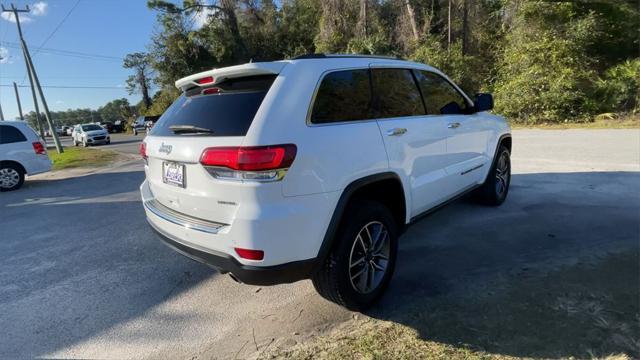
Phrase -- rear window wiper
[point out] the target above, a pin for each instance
(189, 129)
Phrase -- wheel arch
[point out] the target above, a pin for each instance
(369, 186)
(504, 139)
(6, 162)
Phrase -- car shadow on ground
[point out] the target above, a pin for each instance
(77, 258)
(507, 280)
(554, 272)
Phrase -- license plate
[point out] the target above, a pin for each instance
(173, 173)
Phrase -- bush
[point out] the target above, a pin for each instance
(544, 73)
(619, 88)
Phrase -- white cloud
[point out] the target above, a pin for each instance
(9, 17)
(39, 8)
(4, 56)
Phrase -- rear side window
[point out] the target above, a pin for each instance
(343, 96)
(440, 97)
(10, 134)
(224, 109)
(396, 93)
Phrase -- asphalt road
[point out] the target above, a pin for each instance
(81, 274)
(119, 142)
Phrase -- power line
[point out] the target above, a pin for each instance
(52, 33)
(68, 77)
(69, 87)
(57, 28)
(69, 53)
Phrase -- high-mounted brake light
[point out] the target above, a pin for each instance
(143, 151)
(250, 254)
(205, 80)
(210, 91)
(258, 163)
(39, 148)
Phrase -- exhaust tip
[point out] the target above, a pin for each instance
(235, 278)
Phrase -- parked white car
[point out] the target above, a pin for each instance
(90, 134)
(22, 153)
(313, 167)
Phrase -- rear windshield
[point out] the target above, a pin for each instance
(225, 109)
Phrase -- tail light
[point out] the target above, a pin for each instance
(143, 151)
(250, 254)
(39, 148)
(259, 163)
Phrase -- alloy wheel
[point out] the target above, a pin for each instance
(9, 178)
(502, 174)
(369, 257)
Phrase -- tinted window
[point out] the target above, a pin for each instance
(9, 134)
(396, 93)
(227, 110)
(343, 96)
(440, 96)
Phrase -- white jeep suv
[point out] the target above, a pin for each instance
(312, 167)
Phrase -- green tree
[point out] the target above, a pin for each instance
(544, 72)
(140, 81)
(118, 109)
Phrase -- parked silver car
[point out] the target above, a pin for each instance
(90, 134)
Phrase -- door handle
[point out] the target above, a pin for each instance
(453, 125)
(396, 131)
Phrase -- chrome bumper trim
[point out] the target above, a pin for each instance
(181, 219)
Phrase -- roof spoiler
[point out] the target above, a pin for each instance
(210, 77)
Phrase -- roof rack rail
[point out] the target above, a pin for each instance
(333, 56)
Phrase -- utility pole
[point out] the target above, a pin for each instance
(32, 72)
(15, 88)
(1, 114)
(35, 100)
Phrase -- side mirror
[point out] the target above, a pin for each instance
(483, 102)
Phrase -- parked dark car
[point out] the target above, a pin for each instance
(144, 123)
(108, 125)
(118, 126)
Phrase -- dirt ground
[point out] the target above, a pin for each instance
(587, 310)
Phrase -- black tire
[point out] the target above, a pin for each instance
(495, 189)
(9, 173)
(333, 280)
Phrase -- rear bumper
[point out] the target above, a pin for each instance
(284, 231)
(40, 164)
(253, 275)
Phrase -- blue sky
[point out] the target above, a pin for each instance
(111, 28)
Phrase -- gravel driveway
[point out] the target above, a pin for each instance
(81, 274)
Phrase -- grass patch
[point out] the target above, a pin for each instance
(75, 157)
(585, 311)
(377, 339)
(603, 121)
